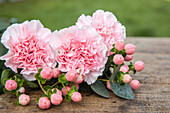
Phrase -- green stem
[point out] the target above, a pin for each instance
(42, 87)
(64, 87)
(55, 84)
(103, 79)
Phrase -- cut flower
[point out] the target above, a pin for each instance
(29, 49)
(106, 24)
(80, 49)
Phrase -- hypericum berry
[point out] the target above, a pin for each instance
(56, 99)
(46, 73)
(71, 75)
(79, 79)
(128, 57)
(10, 85)
(56, 72)
(134, 84)
(24, 99)
(58, 91)
(127, 78)
(124, 68)
(130, 49)
(76, 97)
(64, 91)
(118, 59)
(139, 65)
(119, 45)
(108, 85)
(21, 90)
(44, 103)
(77, 86)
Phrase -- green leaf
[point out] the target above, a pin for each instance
(7, 73)
(37, 99)
(68, 97)
(74, 89)
(17, 103)
(5, 91)
(30, 84)
(121, 91)
(38, 77)
(100, 89)
(62, 78)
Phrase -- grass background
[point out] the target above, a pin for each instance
(141, 17)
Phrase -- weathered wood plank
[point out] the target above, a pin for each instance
(153, 96)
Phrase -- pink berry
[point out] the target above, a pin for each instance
(44, 103)
(108, 85)
(127, 78)
(130, 49)
(46, 73)
(10, 85)
(124, 68)
(118, 59)
(21, 90)
(24, 99)
(134, 84)
(64, 91)
(79, 79)
(76, 97)
(139, 65)
(128, 57)
(56, 72)
(71, 75)
(56, 99)
(119, 45)
(58, 91)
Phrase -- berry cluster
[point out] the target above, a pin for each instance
(121, 53)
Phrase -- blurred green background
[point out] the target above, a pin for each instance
(141, 17)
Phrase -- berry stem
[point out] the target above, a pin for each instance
(103, 79)
(64, 87)
(42, 87)
(55, 84)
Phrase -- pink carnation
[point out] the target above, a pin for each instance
(29, 49)
(106, 25)
(80, 49)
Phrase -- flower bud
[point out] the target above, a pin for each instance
(10, 85)
(79, 79)
(21, 90)
(139, 65)
(118, 59)
(127, 78)
(128, 57)
(134, 84)
(58, 91)
(76, 97)
(56, 99)
(56, 72)
(119, 45)
(124, 68)
(108, 85)
(130, 49)
(44, 103)
(64, 91)
(24, 99)
(71, 75)
(46, 73)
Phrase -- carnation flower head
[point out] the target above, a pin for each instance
(29, 48)
(106, 24)
(80, 49)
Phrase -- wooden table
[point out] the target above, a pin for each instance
(153, 96)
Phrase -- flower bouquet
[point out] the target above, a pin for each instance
(88, 55)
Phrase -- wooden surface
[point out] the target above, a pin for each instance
(153, 96)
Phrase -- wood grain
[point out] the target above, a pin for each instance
(153, 96)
